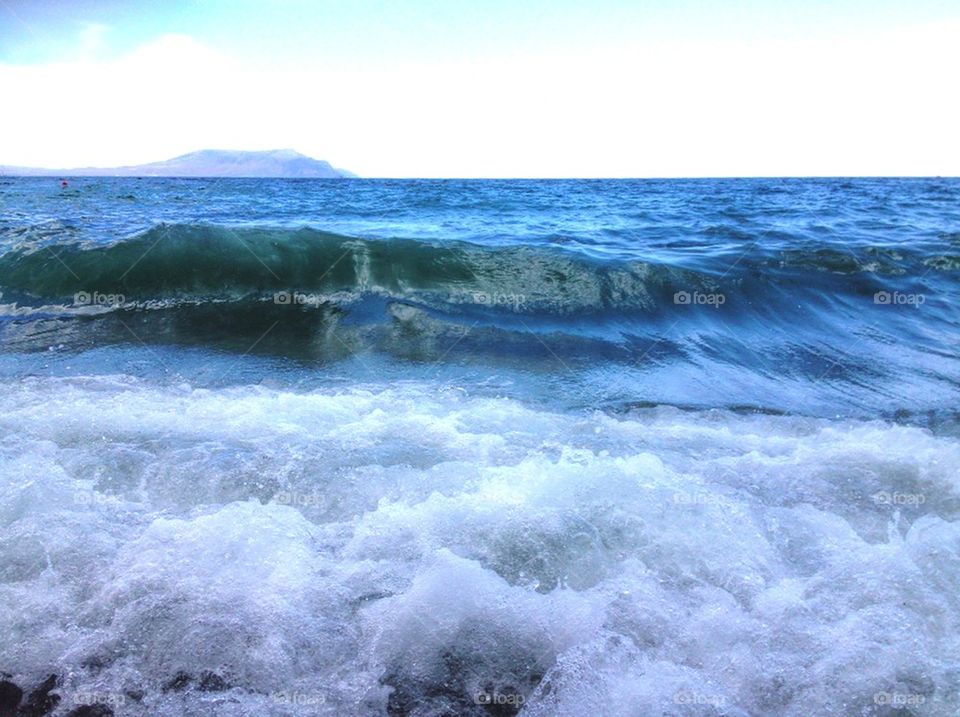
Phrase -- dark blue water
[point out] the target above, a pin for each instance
(431, 448)
(822, 297)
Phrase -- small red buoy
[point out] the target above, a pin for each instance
(63, 183)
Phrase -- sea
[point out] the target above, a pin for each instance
(476, 447)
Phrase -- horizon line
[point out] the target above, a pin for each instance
(43, 173)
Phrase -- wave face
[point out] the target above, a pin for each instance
(855, 329)
(202, 262)
(189, 263)
(283, 447)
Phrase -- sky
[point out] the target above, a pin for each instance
(490, 88)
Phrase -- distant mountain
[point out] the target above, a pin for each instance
(206, 163)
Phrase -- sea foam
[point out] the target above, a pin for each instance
(412, 550)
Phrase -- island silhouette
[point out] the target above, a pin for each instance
(206, 163)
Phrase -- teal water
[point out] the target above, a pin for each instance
(823, 297)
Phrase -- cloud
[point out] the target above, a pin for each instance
(856, 104)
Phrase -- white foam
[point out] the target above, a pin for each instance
(423, 549)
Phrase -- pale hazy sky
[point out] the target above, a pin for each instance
(493, 89)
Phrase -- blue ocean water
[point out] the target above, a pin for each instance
(823, 297)
(429, 447)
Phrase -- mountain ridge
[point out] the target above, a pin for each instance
(270, 163)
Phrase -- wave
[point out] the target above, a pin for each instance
(175, 263)
(812, 330)
(199, 262)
